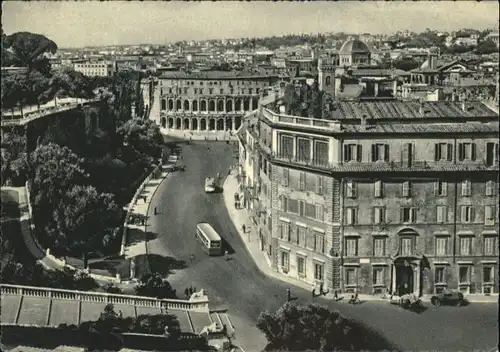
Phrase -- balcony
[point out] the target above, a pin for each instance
(309, 123)
(309, 163)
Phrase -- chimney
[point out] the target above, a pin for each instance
(363, 122)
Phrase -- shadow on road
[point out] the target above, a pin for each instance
(227, 247)
(135, 236)
(165, 265)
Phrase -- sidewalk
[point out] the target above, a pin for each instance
(240, 217)
(199, 135)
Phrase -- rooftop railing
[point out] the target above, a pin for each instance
(196, 304)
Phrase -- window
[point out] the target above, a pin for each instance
(380, 152)
(201, 90)
(302, 206)
(408, 215)
(440, 188)
(210, 90)
(443, 151)
(488, 275)
(319, 242)
(489, 215)
(464, 274)
(318, 271)
(310, 241)
(285, 231)
(379, 246)
(489, 245)
(407, 155)
(492, 154)
(303, 150)
(285, 260)
(467, 152)
(466, 188)
(407, 245)
(351, 189)
(320, 156)
(352, 152)
(441, 214)
(350, 277)
(351, 247)
(351, 216)
(301, 266)
(302, 181)
(221, 91)
(284, 203)
(319, 185)
(301, 235)
(378, 276)
(490, 188)
(467, 214)
(286, 177)
(406, 189)
(441, 245)
(465, 245)
(293, 206)
(310, 211)
(250, 90)
(320, 214)
(379, 215)
(286, 147)
(378, 189)
(439, 275)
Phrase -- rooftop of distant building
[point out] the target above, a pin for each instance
(221, 75)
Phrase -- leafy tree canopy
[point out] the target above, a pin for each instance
(153, 285)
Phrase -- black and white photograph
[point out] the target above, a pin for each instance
(249, 176)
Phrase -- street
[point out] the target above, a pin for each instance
(240, 287)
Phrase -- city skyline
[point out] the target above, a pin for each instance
(79, 24)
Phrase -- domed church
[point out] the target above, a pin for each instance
(354, 53)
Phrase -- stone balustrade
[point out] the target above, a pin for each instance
(198, 304)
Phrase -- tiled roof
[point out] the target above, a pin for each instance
(395, 109)
(387, 167)
(424, 128)
(378, 72)
(217, 74)
(350, 91)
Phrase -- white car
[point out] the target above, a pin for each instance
(173, 158)
(209, 185)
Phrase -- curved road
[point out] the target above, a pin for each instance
(239, 286)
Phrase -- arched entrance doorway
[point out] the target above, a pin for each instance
(178, 123)
(203, 124)
(195, 124)
(220, 125)
(211, 125)
(186, 124)
(170, 122)
(163, 122)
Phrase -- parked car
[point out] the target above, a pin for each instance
(410, 301)
(448, 297)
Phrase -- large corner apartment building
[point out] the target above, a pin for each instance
(391, 194)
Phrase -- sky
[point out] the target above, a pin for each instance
(92, 23)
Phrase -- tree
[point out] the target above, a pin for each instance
(14, 156)
(406, 64)
(153, 285)
(290, 98)
(486, 47)
(315, 328)
(83, 218)
(143, 135)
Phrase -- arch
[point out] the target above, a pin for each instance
(220, 105)
(246, 104)
(170, 122)
(229, 123)
(237, 105)
(195, 105)
(178, 123)
(186, 105)
(163, 122)
(328, 81)
(407, 231)
(211, 105)
(163, 104)
(170, 104)
(237, 122)
(255, 103)
(203, 124)
(211, 125)
(186, 124)
(194, 124)
(203, 105)
(178, 105)
(229, 105)
(220, 125)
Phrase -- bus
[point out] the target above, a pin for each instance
(209, 238)
(209, 185)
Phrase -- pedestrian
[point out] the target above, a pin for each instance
(244, 228)
(186, 292)
(155, 211)
(335, 295)
(226, 255)
(313, 290)
(235, 205)
(321, 289)
(288, 295)
(191, 290)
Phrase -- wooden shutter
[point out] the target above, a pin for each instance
(319, 185)
(437, 152)
(489, 188)
(461, 151)
(386, 152)
(413, 215)
(473, 151)
(374, 152)
(319, 212)
(472, 214)
(488, 214)
(359, 153)
(439, 214)
(436, 188)
(280, 230)
(346, 153)
(463, 213)
(348, 213)
(376, 215)
(301, 207)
